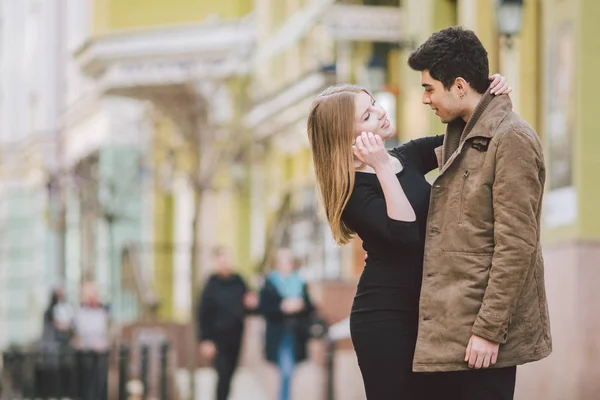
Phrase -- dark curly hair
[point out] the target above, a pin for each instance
(451, 53)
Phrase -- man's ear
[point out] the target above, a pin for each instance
(461, 86)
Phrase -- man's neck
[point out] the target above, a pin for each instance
(470, 105)
(225, 274)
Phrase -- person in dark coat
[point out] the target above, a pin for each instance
(287, 309)
(223, 305)
(53, 370)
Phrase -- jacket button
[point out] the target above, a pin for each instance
(430, 274)
(434, 229)
(427, 318)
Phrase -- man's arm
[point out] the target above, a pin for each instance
(517, 193)
(205, 315)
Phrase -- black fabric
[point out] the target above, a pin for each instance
(481, 384)
(221, 310)
(278, 323)
(226, 360)
(384, 342)
(384, 316)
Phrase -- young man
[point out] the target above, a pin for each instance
(483, 308)
(221, 313)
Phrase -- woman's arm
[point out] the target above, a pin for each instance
(366, 215)
(369, 149)
(420, 152)
(269, 304)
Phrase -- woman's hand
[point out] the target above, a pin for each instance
(369, 149)
(499, 85)
(292, 305)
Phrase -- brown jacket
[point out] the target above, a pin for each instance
(483, 270)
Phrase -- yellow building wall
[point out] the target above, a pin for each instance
(163, 220)
(557, 14)
(531, 54)
(112, 15)
(588, 87)
(487, 32)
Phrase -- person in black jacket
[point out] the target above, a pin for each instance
(223, 306)
(287, 309)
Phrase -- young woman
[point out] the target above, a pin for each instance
(384, 198)
(286, 306)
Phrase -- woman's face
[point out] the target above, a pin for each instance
(284, 261)
(371, 117)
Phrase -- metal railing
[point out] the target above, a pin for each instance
(336, 332)
(85, 375)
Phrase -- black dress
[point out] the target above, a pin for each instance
(384, 317)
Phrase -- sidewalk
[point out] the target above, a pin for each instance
(245, 386)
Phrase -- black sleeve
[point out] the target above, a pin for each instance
(49, 315)
(269, 304)
(309, 307)
(366, 214)
(421, 152)
(242, 283)
(206, 315)
(244, 288)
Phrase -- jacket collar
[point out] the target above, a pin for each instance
(488, 114)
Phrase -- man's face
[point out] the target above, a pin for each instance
(223, 263)
(447, 104)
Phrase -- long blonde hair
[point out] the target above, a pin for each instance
(331, 132)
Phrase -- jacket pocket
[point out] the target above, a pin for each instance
(465, 176)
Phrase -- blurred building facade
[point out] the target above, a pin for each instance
(30, 106)
(180, 69)
(137, 136)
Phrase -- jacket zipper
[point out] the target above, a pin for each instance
(462, 195)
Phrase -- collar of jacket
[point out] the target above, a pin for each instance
(488, 114)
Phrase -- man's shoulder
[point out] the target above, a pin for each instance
(514, 129)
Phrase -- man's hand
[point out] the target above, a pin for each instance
(481, 353)
(250, 301)
(208, 350)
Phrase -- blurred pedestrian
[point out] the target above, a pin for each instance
(54, 364)
(58, 319)
(223, 306)
(92, 341)
(287, 309)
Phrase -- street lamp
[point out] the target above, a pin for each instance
(509, 17)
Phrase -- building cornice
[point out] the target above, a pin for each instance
(280, 105)
(168, 56)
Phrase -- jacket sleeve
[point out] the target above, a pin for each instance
(366, 214)
(205, 315)
(517, 192)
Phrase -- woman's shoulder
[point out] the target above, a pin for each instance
(404, 152)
